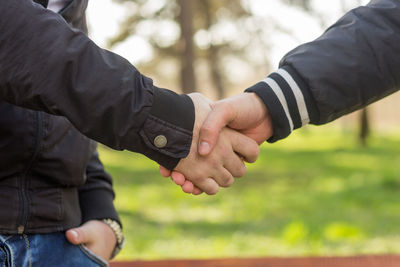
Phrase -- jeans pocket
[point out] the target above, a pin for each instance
(97, 259)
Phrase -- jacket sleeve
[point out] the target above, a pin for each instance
(96, 196)
(46, 65)
(354, 63)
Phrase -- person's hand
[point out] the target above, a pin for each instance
(97, 236)
(245, 113)
(179, 179)
(218, 168)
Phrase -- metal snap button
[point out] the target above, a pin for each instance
(160, 141)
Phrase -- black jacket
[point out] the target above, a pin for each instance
(354, 63)
(50, 176)
(56, 84)
(49, 66)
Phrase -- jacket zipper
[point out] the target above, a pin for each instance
(24, 180)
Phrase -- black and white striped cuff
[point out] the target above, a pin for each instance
(288, 100)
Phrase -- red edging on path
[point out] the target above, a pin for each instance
(356, 261)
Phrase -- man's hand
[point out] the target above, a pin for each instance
(245, 113)
(179, 179)
(97, 236)
(218, 168)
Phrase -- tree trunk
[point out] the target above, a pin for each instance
(188, 80)
(364, 127)
(213, 55)
(216, 72)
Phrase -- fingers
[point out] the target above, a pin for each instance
(165, 172)
(208, 185)
(244, 146)
(197, 191)
(72, 236)
(96, 236)
(220, 116)
(188, 187)
(235, 166)
(223, 177)
(224, 180)
(178, 178)
(79, 235)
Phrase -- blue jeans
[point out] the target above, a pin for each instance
(42, 250)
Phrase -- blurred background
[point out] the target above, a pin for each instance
(330, 190)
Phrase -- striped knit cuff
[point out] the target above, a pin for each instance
(288, 101)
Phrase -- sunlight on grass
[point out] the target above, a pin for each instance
(295, 232)
(126, 160)
(338, 231)
(316, 193)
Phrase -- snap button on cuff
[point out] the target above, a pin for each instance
(160, 141)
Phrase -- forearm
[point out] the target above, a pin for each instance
(354, 63)
(48, 66)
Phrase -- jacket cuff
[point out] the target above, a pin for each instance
(288, 101)
(168, 128)
(97, 204)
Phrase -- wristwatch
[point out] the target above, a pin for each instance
(116, 228)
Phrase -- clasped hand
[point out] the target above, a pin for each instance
(226, 134)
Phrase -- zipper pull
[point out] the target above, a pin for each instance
(20, 229)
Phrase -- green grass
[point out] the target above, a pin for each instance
(316, 193)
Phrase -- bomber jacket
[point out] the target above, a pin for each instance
(354, 63)
(56, 86)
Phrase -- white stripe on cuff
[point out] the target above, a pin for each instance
(278, 92)
(301, 103)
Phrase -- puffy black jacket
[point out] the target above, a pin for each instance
(354, 63)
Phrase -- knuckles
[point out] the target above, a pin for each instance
(254, 152)
(228, 182)
(241, 172)
(208, 130)
(212, 191)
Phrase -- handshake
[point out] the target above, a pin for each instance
(226, 134)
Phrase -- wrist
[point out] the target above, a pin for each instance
(119, 239)
(259, 106)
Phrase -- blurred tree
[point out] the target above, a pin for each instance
(305, 4)
(214, 50)
(187, 57)
(364, 127)
(149, 19)
(202, 20)
(212, 14)
(364, 121)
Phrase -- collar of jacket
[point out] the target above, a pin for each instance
(74, 13)
(44, 3)
(74, 9)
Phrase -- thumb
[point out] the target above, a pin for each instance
(219, 117)
(79, 235)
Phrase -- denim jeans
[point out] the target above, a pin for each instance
(42, 250)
